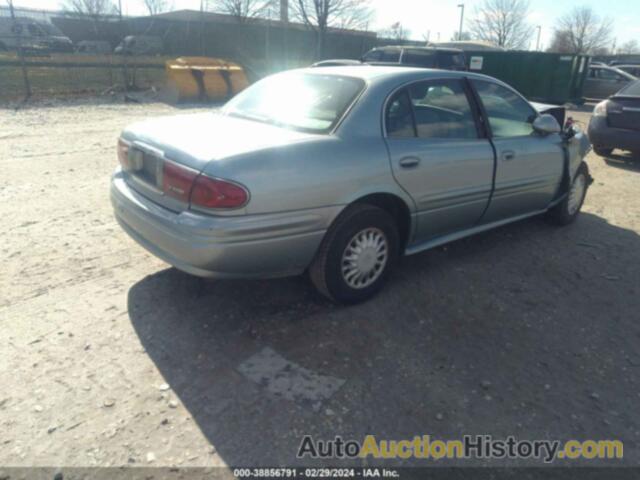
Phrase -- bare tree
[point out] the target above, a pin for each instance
(242, 9)
(93, 9)
(503, 23)
(585, 31)
(560, 42)
(396, 31)
(158, 6)
(629, 47)
(320, 15)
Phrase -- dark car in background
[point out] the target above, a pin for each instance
(425, 57)
(616, 122)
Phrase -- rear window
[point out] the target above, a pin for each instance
(387, 55)
(633, 89)
(423, 58)
(305, 102)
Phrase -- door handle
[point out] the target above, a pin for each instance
(409, 162)
(508, 155)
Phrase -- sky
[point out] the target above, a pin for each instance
(440, 18)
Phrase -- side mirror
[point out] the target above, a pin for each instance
(546, 124)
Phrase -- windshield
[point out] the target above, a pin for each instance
(633, 89)
(308, 102)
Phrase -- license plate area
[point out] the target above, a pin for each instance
(146, 165)
(624, 114)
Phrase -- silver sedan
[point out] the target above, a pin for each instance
(339, 171)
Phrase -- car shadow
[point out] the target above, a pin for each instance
(625, 161)
(586, 107)
(527, 330)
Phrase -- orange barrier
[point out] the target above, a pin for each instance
(205, 79)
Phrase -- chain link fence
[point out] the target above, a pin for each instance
(67, 54)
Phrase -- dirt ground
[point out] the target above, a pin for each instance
(110, 357)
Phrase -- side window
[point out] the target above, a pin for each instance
(450, 60)
(390, 55)
(372, 56)
(509, 115)
(442, 110)
(399, 117)
(609, 75)
(423, 58)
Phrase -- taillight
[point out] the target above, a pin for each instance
(601, 109)
(123, 153)
(177, 181)
(188, 185)
(215, 193)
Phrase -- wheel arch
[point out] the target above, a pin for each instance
(395, 206)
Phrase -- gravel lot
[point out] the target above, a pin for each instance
(110, 357)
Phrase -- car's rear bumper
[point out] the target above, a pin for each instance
(603, 136)
(243, 246)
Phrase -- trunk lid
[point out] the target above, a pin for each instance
(624, 112)
(193, 141)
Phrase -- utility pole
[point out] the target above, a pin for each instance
(284, 21)
(202, 27)
(461, 7)
(284, 11)
(17, 30)
(539, 27)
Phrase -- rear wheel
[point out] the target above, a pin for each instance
(356, 255)
(602, 152)
(567, 211)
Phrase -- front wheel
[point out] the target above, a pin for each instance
(568, 209)
(356, 255)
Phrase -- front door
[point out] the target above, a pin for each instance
(439, 155)
(529, 165)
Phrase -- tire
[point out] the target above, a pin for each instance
(351, 282)
(568, 210)
(602, 152)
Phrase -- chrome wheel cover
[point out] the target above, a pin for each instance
(364, 258)
(576, 193)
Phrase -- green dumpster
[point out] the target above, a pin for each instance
(539, 76)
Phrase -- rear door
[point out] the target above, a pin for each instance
(529, 165)
(439, 155)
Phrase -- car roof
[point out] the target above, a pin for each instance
(370, 73)
(417, 47)
(378, 74)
